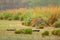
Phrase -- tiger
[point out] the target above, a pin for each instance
(36, 21)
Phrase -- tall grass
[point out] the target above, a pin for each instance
(49, 14)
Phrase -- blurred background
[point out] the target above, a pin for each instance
(15, 4)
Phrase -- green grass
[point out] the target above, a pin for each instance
(10, 35)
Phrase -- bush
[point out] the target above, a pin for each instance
(41, 25)
(19, 31)
(26, 22)
(21, 18)
(57, 24)
(56, 32)
(5, 15)
(1, 16)
(45, 33)
(16, 16)
(25, 31)
(10, 16)
(28, 31)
